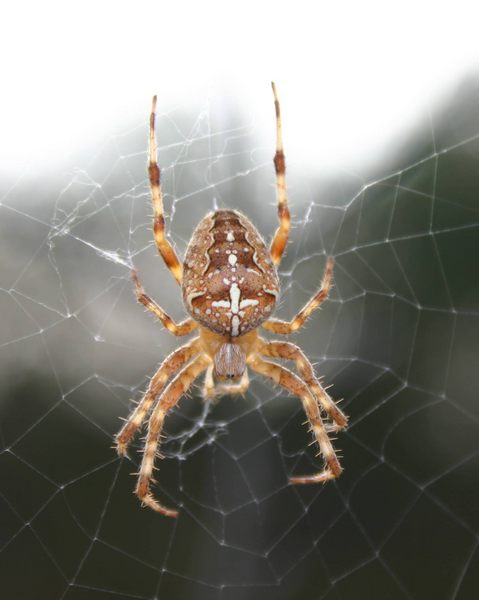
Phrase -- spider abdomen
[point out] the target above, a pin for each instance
(230, 284)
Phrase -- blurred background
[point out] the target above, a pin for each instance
(381, 125)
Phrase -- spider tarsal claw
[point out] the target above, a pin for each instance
(149, 501)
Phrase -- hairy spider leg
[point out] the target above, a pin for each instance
(209, 389)
(293, 384)
(280, 238)
(290, 351)
(164, 247)
(172, 363)
(285, 327)
(168, 399)
(183, 328)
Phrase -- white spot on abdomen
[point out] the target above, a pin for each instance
(235, 294)
(195, 294)
(232, 259)
(230, 237)
(247, 302)
(272, 292)
(221, 303)
(235, 325)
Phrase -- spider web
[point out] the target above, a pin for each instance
(397, 338)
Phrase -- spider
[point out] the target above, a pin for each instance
(230, 286)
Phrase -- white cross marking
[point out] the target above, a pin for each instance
(221, 303)
(235, 294)
(235, 305)
(235, 321)
(247, 302)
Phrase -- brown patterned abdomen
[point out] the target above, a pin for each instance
(230, 284)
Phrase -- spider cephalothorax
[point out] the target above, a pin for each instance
(229, 361)
(230, 287)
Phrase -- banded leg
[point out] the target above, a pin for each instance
(164, 247)
(183, 328)
(290, 351)
(281, 235)
(170, 396)
(169, 366)
(285, 327)
(293, 384)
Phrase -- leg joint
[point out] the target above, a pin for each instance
(159, 224)
(154, 171)
(279, 162)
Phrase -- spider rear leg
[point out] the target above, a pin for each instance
(168, 399)
(293, 384)
(164, 247)
(305, 368)
(281, 235)
(286, 327)
(168, 367)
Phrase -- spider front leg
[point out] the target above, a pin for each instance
(293, 384)
(183, 328)
(170, 396)
(164, 247)
(290, 351)
(285, 327)
(169, 366)
(281, 235)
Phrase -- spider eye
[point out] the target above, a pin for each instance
(230, 361)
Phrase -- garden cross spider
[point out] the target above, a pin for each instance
(230, 286)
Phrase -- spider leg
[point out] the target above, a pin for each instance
(293, 383)
(280, 238)
(305, 368)
(209, 391)
(183, 328)
(168, 399)
(164, 247)
(170, 365)
(285, 327)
